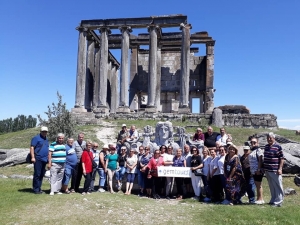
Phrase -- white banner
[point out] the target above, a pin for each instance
(170, 171)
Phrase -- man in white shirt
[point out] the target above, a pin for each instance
(222, 137)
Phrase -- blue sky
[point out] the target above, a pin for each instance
(257, 51)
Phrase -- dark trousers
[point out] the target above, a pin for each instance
(217, 188)
(76, 177)
(179, 185)
(206, 186)
(249, 187)
(38, 175)
(93, 179)
(156, 185)
(87, 182)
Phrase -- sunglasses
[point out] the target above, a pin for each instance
(96, 146)
(253, 142)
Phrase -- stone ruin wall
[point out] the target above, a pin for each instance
(170, 78)
(253, 121)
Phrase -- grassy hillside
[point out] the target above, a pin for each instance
(21, 139)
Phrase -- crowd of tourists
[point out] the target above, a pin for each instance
(218, 173)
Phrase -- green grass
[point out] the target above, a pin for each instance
(21, 139)
(19, 206)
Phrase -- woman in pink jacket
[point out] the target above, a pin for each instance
(155, 161)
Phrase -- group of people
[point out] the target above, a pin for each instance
(225, 175)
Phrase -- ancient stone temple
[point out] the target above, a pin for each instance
(159, 71)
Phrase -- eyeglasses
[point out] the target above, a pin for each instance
(96, 146)
(253, 142)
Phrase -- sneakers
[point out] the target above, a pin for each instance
(207, 199)
(83, 193)
(260, 202)
(101, 190)
(225, 202)
(51, 193)
(59, 193)
(156, 196)
(195, 198)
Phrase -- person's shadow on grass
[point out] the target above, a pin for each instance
(29, 190)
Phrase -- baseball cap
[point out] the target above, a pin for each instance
(44, 128)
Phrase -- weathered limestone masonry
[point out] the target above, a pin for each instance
(160, 74)
(163, 78)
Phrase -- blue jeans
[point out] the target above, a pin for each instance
(120, 173)
(141, 179)
(130, 177)
(102, 176)
(67, 175)
(38, 175)
(250, 188)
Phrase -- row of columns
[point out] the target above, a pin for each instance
(92, 74)
(96, 58)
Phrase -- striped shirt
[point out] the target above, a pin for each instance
(58, 152)
(272, 156)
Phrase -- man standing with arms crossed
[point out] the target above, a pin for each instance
(79, 146)
(273, 163)
(39, 156)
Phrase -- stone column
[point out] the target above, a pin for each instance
(133, 83)
(209, 96)
(152, 71)
(185, 69)
(114, 89)
(89, 87)
(81, 71)
(102, 108)
(158, 81)
(97, 76)
(123, 107)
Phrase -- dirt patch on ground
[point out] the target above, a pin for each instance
(108, 133)
(105, 208)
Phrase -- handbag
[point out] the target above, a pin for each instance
(94, 164)
(28, 157)
(198, 172)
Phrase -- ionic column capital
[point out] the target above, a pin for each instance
(81, 29)
(153, 27)
(125, 29)
(186, 26)
(210, 43)
(104, 29)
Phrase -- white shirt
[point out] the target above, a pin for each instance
(130, 161)
(214, 165)
(222, 140)
(221, 164)
(168, 158)
(206, 163)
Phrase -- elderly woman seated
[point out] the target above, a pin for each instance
(198, 136)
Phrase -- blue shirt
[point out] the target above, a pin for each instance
(71, 158)
(145, 159)
(41, 146)
(178, 162)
